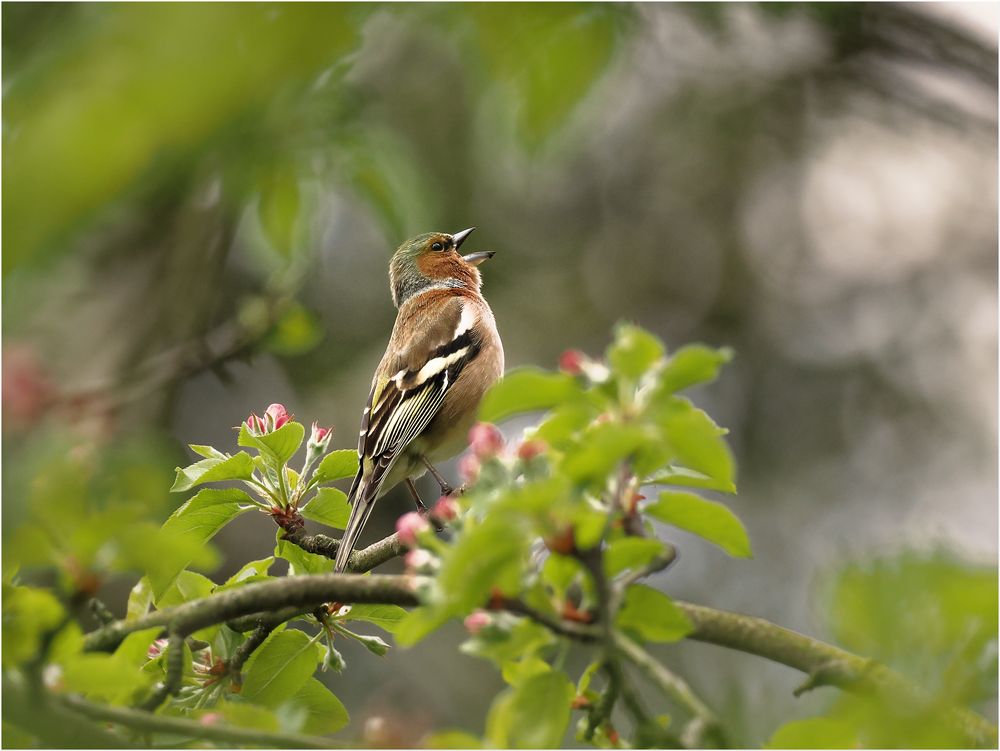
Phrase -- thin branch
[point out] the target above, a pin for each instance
(234, 665)
(144, 721)
(571, 629)
(669, 683)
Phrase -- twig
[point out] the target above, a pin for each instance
(670, 684)
(234, 665)
(147, 722)
(571, 629)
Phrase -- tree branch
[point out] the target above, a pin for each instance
(291, 596)
(147, 722)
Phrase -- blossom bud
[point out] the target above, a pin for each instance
(276, 416)
(408, 526)
(468, 468)
(374, 644)
(255, 425)
(571, 361)
(320, 438)
(485, 440)
(529, 449)
(209, 719)
(418, 560)
(446, 509)
(476, 621)
(156, 649)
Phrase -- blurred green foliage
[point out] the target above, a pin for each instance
(191, 184)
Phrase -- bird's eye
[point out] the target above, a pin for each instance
(437, 246)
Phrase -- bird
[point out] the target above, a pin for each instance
(444, 353)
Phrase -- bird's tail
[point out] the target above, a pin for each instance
(362, 499)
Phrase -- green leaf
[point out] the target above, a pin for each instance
(602, 447)
(633, 351)
(501, 645)
(140, 599)
(479, 560)
(242, 715)
(237, 467)
(516, 672)
(279, 446)
(301, 561)
(688, 478)
(815, 732)
(527, 390)
(134, 648)
(28, 614)
(200, 519)
(387, 617)
(693, 364)
(251, 572)
(330, 507)
(324, 712)
(452, 739)
(336, 466)
(708, 519)
(104, 676)
(280, 667)
(652, 615)
(418, 624)
(186, 586)
(534, 714)
(630, 552)
(697, 441)
(209, 452)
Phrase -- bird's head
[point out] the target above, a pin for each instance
(434, 258)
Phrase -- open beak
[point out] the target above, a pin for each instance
(459, 237)
(477, 258)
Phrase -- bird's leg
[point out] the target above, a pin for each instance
(416, 496)
(446, 489)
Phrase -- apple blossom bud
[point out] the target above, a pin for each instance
(529, 449)
(276, 416)
(210, 719)
(468, 468)
(485, 440)
(445, 509)
(571, 361)
(476, 621)
(156, 649)
(255, 425)
(320, 438)
(418, 560)
(409, 526)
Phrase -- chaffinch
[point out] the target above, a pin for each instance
(443, 354)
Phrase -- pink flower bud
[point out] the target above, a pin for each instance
(156, 649)
(476, 621)
(210, 719)
(255, 425)
(445, 509)
(408, 526)
(418, 559)
(320, 437)
(276, 416)
(571, 361)
(529, 449)
(468, 468)
(486, 440)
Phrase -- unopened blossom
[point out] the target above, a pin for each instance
(320, 438)
(531, 448)
(468, 468)
(485, 440)
(408, 526)
(476, 621)
(571, 361)
(446, 509)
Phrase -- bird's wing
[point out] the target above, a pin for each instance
(411, 383)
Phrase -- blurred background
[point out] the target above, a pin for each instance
(200, 201)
